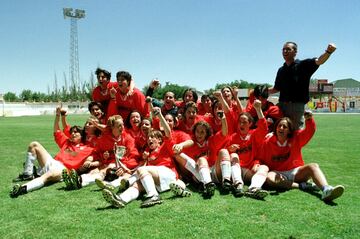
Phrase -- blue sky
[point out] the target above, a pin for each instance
(188, 42)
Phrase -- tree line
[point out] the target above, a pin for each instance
(82, 92)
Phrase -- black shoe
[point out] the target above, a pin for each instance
(18, 190)
(238, 190)
(151, 201)
(23, 177)
(226, 185)
(209, 190)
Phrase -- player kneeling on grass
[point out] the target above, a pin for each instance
(282, 154)
(244, 145)
(73, 152)
(153, 178)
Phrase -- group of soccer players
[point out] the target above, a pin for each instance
(133, 144)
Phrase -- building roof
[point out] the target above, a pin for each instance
(346, 83)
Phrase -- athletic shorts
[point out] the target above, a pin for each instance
(166, 176)
(290, 174)
(51, 165)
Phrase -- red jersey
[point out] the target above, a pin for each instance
(216, 125)
(123, 104)
(209, 149)
(183, 126)
(106, 142)
(103, 96)
(269, 110)
(249, 144)
(287, 156)
(71, 155)
(162, 156)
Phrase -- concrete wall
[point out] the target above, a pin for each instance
(22, 109)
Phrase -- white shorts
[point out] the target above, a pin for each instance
(288, 175)
(166, 176)
(51, 165)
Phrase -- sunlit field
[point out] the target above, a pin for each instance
(53, 212)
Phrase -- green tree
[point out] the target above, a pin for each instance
(26, 95)
(175, 88)
(10, 97)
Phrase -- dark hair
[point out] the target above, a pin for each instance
(195, 96)
(157, 134)
(204, 97)
(190, 104)
(106, 73)
(214, 105)
(261, 90)
(127, 121)
(173, 116)
(290, 125)
(92, 103)
(206, 125)
(292, 43)
(124, 74)
(248, 115)
(77, 129)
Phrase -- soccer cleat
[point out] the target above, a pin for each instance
(67, 179)
(308, 187)
(151, 201)
(209, 190)
(23, 177)
(124, 184)
(113, 199)
(18, 190)
(257, 193)
(332, 193)
(226, 185)
(179, 191)
(103, 185)
(238, 190)
(75, 179)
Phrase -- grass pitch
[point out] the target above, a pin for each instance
(54, 213)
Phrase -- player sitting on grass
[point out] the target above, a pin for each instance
(243, 146)
(113, 139)
(73, 152)
(282, 154)
(153, 178)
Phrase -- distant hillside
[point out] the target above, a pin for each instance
(346, 83)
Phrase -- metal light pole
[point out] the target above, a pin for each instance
(74, 73)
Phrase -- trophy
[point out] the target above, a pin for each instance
(119, 151)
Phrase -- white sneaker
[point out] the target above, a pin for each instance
(332, 193)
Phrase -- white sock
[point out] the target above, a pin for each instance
(130, 194)
(190, 165)
(148, 183)
(29, 163)
(133, 178)
(204, 173)
(257, 180)
(116, 183)
(87, 179)
(34, 184)
(225, 169)
(236, 174)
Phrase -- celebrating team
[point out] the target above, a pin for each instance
(133, 144)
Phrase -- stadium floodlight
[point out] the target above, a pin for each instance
(67, 12)
(78, 13)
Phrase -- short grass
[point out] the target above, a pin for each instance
(54, 213)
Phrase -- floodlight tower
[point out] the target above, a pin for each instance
(74, 74)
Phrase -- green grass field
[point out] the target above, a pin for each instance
(54, 213)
